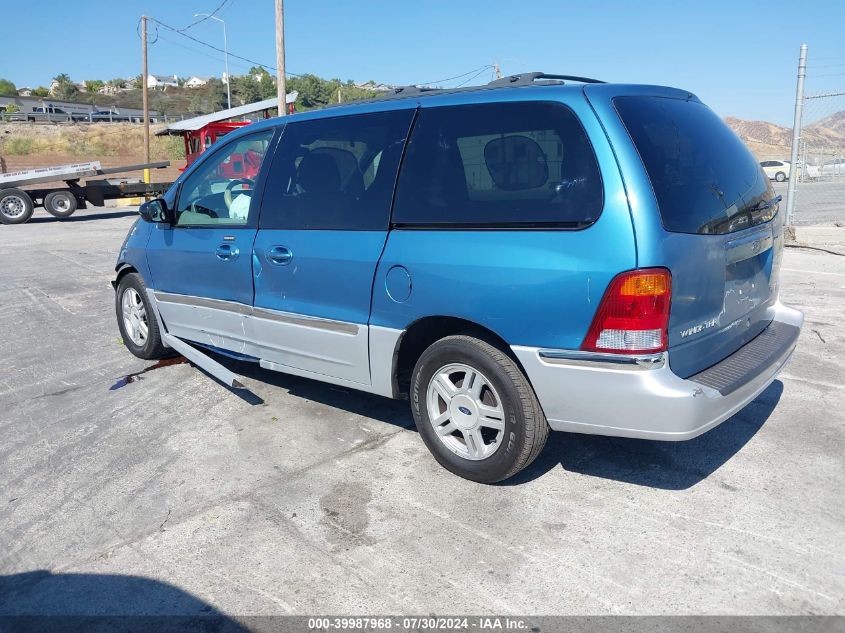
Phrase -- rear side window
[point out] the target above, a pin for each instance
(337, 173)
(499, 164)
(704, 178)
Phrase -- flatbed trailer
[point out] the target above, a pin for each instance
(19, 197)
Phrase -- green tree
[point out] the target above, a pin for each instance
(93, 85)
(160, 103)
(267, 87)
(260, 74)
(246, 88)
(7, 88)
(216, 92)
(315, 92)
(138, 82)
(198, 103)
(64, 88)
(40, 91)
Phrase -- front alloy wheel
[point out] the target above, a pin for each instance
(134, 317)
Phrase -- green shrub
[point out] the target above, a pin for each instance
(18, 146)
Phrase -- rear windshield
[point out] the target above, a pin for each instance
(704, 178)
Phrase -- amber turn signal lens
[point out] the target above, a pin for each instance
(645, 285)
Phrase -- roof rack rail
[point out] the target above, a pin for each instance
(529, 79)
(409, 90)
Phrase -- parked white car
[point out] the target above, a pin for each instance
(776, 169)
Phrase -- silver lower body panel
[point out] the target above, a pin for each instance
(643, 401)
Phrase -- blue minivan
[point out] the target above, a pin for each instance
(543, 252)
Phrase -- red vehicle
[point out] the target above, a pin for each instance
(202, 132)
(197, 141)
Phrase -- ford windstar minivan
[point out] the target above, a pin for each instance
(543, 252)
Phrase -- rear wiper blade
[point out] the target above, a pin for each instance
(766, 204)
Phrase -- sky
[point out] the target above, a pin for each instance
(739, 57)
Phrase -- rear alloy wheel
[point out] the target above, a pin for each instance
(780, 176)
(60, 204)
(465, 411)
(475, 410)
(15, 206)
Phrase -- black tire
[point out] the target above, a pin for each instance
(60, 204)
(780, 176)
(152, 348)
(15, 206)
(525, 427)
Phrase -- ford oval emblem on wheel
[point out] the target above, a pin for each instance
(464, 410)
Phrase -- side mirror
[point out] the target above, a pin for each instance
(154, 210)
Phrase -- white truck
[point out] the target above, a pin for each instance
(18, 197)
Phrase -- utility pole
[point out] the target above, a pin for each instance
(144, 96)
(796, 134)
(280, 58)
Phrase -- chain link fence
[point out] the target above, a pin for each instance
(820, 188)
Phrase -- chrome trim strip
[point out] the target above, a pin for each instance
(204, 302)
(600, 360)
(340, 327)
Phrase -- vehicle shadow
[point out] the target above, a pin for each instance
(84, 217)
(655, 464)
(395, 412)
(663, 465)
(43, 601)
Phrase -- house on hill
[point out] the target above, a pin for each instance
(162, 81)
(24, 92)
(115, 86)
(196, 82)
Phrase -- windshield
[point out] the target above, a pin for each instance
(704, 178)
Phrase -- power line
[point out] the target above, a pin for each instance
(203, 19)
(198, 52)
(219, 50)
(441, 81)
(463, 83)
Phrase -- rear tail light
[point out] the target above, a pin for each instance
(633, 316)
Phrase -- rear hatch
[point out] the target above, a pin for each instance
(721, 231)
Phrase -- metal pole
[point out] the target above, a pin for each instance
(228, 76)
(144, 97)
(796, 134)
(281, 92)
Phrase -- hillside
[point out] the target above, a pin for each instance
(768, 140)
(26, 145)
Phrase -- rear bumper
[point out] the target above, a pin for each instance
(587, 394)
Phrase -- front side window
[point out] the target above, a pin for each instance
(337, 173)
(220, 190)
(499, 164)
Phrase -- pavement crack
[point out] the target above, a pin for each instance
(161, 527)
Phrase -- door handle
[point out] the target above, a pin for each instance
(227, 252)
(279, 255)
